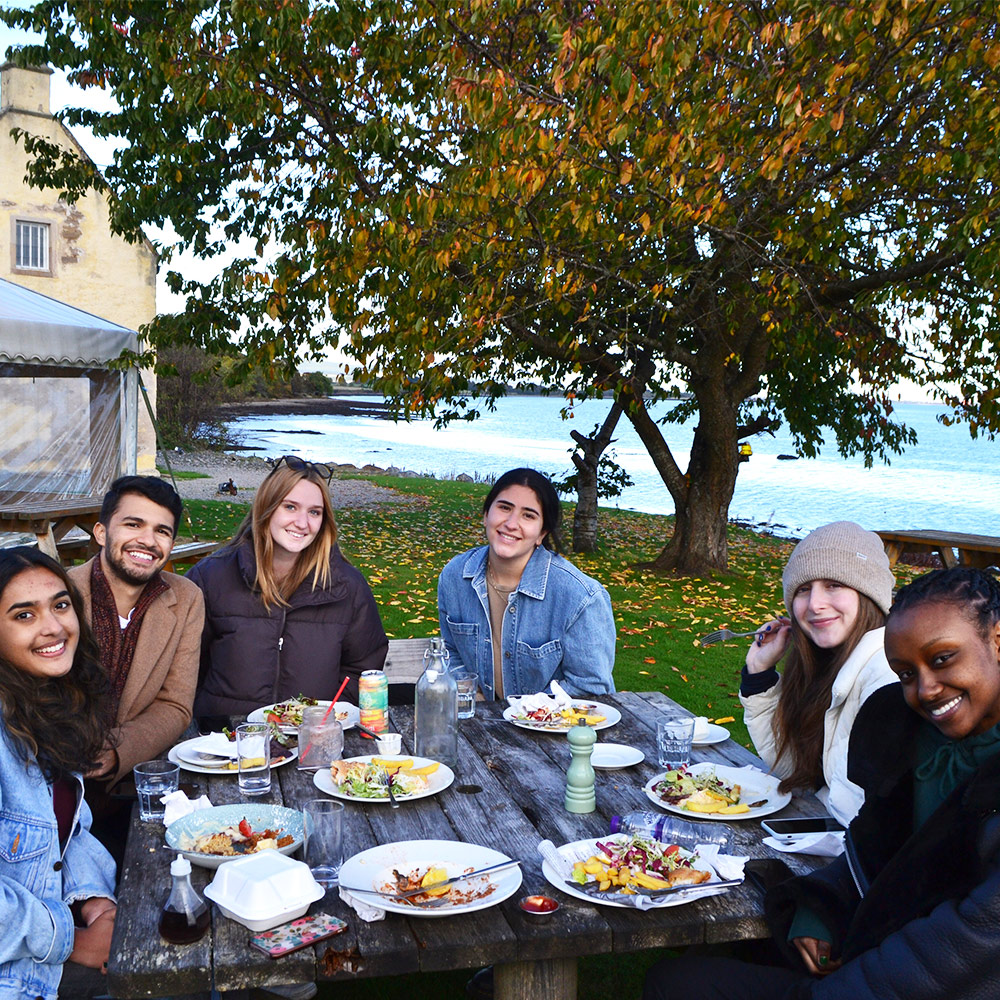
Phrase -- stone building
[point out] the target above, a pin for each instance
(68, 252)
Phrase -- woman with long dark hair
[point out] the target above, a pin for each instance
(56, 880)
(285, 612)
(517, 612)
(837, 587)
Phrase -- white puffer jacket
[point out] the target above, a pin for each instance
(865, 671)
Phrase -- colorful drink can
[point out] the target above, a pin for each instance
(373, 701)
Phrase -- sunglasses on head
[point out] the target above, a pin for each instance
(297, 464)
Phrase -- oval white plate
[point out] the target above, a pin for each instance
(374, 868)
(352, 711)
(753, 788)
(436, 782)
(611, 718)
(186, 755)
(614, 755)
(260, 815)
(716, 734)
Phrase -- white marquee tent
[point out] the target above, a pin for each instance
(67, 420)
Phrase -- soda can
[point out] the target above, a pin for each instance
(373, 701)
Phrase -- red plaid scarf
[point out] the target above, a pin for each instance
(117, 645)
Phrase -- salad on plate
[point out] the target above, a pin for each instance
(625, 865)
(367, 779)
(702, 792)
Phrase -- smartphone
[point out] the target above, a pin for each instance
(297, 934)
(782, 828)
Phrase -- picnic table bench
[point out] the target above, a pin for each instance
(955, 548)
(508, 794)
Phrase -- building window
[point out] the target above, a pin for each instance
(32, 246)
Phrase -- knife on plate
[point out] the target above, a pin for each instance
(407, 893)
(590, 888)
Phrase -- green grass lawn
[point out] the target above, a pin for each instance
(401, 549)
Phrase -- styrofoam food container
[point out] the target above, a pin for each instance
(263, 890)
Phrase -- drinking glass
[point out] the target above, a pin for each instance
(154, 779)
(253, 758)
(467, 682)
(320, 742)
(323, 850)
(674, 734)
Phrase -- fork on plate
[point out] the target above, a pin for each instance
(387, 781)
(724, 635)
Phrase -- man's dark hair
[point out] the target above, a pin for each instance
(152, 487)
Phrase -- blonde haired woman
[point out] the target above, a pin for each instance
(285, 613)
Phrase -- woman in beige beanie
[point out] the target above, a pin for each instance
(837, 589)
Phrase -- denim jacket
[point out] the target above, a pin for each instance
(558, 624)
(38, 882)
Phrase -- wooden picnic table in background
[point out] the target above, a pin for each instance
(508, 795)
(953, 547)
(50, 521)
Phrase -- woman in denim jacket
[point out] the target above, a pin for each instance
(56, 880)
(517, 612)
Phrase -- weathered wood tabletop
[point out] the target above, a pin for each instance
(50, 521)
(508, 795)
(980, 551)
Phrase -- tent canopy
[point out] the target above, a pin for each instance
(68, 422)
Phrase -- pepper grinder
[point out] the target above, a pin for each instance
(580, 775)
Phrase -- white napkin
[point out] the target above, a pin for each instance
(529, 702)
(823, 845)
(364, 910)
(725, 867)
(177, 804)
(701, 729)
(217, 743)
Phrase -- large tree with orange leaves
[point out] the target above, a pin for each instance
(770, 211)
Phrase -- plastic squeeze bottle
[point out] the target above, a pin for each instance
(185, 917)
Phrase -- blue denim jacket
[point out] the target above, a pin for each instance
(558, 624)
(38, 882)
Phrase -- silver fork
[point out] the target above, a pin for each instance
(387, 781)
(724, 635)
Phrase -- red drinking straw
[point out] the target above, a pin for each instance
(326, 715)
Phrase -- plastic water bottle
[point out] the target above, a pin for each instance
(435, 716)
(671, 830)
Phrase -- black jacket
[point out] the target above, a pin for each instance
(913, 915)
(252, 656)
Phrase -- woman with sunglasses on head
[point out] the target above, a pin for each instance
(285, 613)
(515, 611)
(57, 906)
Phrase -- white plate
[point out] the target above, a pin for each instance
(758, 786)
(614, 755)
(611, 718)
(436, 782)
(716, 734)
(186, 755)
(374, 868)
(581, 849)
(260, 815)
(353, 714)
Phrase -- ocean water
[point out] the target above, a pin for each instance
(947, 481)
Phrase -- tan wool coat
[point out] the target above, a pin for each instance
(155, 706)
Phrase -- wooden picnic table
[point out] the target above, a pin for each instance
(50, 521)
(508, 795)
(955, 548)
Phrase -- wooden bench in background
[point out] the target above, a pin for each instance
(188, 553)
(953, 547)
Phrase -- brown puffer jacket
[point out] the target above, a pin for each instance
(251, 656)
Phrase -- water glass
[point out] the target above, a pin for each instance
(253, 758)
(154, 779)
(321, 740)
(467, 682)
(674, 735)
(323, 850)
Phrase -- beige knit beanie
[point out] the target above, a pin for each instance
(845, 552)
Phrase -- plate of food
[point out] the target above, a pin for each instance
(362, 779)
(558, 717)
(613, 870)
(409, 864)
(715, 791)
(196, 755)
(287, 715)
(211, 837)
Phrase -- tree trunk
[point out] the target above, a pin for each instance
(585, 518)
(701, 496)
